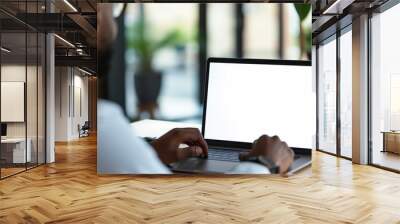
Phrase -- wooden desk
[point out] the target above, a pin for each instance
(154, 128)
(13, 150)
(391, 141)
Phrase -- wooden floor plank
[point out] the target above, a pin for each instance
(333, 190)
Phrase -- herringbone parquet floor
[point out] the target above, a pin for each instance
(69, 191)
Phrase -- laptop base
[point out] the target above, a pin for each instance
(208, 166)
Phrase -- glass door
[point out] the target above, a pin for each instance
(22, 88)
(14, 153)
(385, 89)
(345, 41)
(327, 95)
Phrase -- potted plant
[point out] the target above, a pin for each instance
(305, 33)
(148, 80)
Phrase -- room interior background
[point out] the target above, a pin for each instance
(48, 79)
(22, 95)
(355, 58)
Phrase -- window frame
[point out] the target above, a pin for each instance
(339, 28)
(346, 26)
(27, 29)
(378, 10)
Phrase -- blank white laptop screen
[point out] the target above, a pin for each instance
(245, 101)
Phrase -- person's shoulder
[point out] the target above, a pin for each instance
(108, 108)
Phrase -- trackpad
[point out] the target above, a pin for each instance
(197, 165)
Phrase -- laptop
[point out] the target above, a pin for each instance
(246, 98)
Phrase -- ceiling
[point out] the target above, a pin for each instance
(330, 15)
(22, 21)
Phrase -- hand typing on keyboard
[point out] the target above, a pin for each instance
(167, 146)
(272, 149)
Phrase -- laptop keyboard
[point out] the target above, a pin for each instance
(228, 155)
(223, 155)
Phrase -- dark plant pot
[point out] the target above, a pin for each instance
(147, 87)
(309, 55)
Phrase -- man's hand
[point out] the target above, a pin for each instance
(167, 146)
(273, 149)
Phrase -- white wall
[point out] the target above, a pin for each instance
(62, 81)
(79, 110)
(71, 94)
(11, 73)
(16, 73)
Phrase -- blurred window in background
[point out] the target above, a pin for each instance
(273, 31)
(163, 40)
(293, 25)
(221, 30)
(261, 30)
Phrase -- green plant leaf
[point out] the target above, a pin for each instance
(137, 39)
(302, 10)
(146, 46)
(173, 37)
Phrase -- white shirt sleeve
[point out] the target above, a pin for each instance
(119, 150)
(249, 168)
